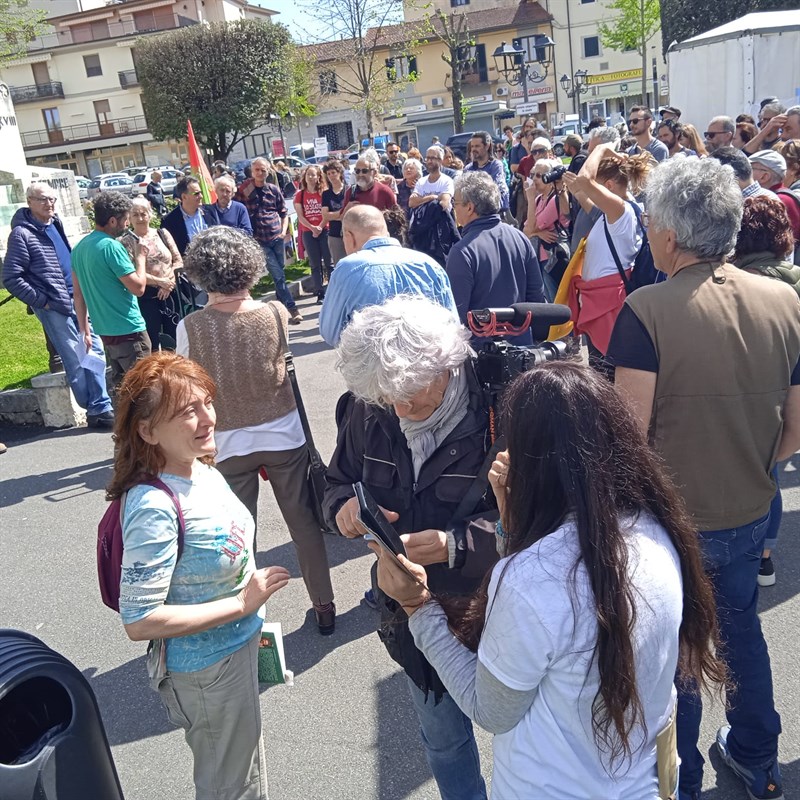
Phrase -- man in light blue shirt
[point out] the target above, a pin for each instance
(375, 269)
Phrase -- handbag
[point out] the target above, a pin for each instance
(317, 470)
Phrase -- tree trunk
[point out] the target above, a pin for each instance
(458, 97)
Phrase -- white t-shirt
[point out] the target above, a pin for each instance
(627, 235)
(425, 187)
(283, 433)
(533, 638)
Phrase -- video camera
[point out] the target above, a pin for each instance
(499, 362)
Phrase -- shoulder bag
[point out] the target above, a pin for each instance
(316, 466)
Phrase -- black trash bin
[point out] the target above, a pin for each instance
(52, 742)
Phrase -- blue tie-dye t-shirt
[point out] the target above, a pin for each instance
(217, 561)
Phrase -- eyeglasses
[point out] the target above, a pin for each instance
(538, 151)
(392, 152)
(362, 171)
(712, 134)
(637, 119)
(196, 194)
(48, 200)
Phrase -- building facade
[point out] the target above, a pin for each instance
(76, 91)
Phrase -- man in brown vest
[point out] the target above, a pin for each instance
(709, 360)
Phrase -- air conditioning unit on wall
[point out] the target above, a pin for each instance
(502, 91)
(436, 102)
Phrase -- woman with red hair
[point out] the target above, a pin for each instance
(189, 581)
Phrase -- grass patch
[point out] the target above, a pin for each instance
(293, 273)
(23, 353)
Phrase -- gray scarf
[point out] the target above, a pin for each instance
(424, 436)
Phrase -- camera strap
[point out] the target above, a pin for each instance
(625, 282)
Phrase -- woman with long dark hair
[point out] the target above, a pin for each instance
(569, 655)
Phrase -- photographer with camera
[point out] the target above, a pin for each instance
(414, 429)
(548, 221)
(608, 181)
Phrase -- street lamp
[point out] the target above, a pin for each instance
(575, 87)
(517, 66)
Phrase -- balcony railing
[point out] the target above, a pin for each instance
(113, 30)
(128, 78)
(84, 133)
(39, 91)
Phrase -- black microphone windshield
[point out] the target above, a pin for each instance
(543, 315)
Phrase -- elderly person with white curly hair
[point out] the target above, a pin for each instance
(414, 429)
(412, 173)
(710, 361)
(238, 341)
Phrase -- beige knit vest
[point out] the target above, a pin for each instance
(242, 353)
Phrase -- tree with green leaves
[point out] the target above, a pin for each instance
(682, 19)
(19, 25)
(227, 78)
(353, 65)
(634, 24)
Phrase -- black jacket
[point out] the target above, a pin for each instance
(433, 231)
(155, 194)
(371, 448)
(175, 224)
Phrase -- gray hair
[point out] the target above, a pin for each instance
(604, 135)
(438, 148)
(480, 190)
(793, 111)
(141, 200)
(415, 163)
(225, 179)
(728, 125)
(370, 155)
(550, 163)
(777, 108)
(390, 352)
(39, 186)
(225, 260)
(698, 199)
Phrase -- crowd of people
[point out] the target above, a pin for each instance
(583, 554)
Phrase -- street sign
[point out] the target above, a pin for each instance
(526, 108)
(321, 147)
(623, 87)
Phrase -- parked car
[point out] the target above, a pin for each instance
(115, 181)
(295, 162)
(83, 186)
(131, 171)
(560, 132)
(458, 144)
(169, 179)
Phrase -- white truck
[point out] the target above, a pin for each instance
(729, 70)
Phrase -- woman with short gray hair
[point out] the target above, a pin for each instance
(412, 172)
(238, 342)
(414, 431)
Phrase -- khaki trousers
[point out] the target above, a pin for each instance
(288, 470)
(219, 711)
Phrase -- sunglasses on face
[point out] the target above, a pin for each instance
(634, 121)
(392, 152)
(196, 194)
(362, 171)
(538, 151)
(712, 134)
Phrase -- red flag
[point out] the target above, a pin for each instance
(199, 168)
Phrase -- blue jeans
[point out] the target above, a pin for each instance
(732, 559)
(88, 387)
(450, 746)
(276, 258)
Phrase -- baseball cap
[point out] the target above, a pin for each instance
(770, 159)
(669, 110)
(540, 141)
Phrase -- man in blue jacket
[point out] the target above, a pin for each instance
(494, 264)
(38, 270)
(227, 211)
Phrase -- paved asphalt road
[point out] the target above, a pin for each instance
(346, 730)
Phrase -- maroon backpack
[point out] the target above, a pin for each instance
(110, 545)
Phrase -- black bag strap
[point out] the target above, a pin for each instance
(626, 283)
(314, 455)
(478, 487)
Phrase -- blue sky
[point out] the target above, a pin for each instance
(303, 27)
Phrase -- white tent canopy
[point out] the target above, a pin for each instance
(730, 69)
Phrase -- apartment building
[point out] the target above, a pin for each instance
(76, 92)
